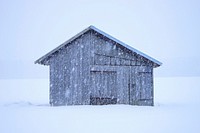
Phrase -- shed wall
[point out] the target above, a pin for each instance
(94, 66)
(69, 73)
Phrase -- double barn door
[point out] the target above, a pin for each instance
(113, 86)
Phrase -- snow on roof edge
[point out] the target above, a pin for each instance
(39, 61)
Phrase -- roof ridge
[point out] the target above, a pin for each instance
(91, 27)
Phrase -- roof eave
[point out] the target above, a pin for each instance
(156, 65)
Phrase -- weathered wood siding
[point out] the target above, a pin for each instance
(69, 73)
(134, 74)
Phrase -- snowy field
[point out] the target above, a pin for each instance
(24, 109)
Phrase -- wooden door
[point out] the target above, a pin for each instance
(103, 87)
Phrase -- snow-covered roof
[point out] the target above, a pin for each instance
(40, 60)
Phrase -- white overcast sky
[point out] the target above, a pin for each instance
(167, 30)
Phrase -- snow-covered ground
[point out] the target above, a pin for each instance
(24, 109)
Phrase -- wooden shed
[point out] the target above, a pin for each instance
(94, 68)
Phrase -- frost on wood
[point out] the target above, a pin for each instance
(92, 69)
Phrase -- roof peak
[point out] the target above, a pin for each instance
(39, 61)
(91, 26)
